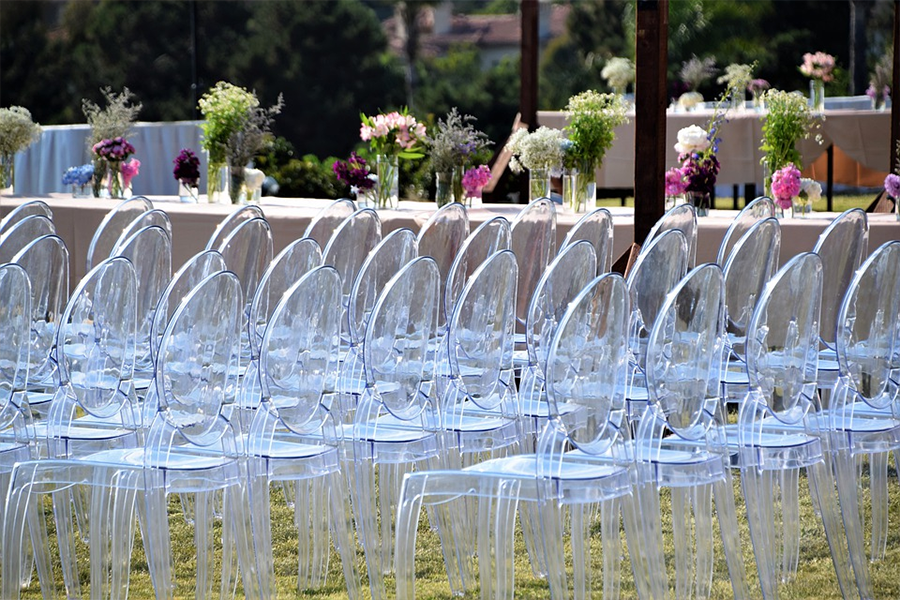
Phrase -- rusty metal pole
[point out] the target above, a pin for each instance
(651, 58)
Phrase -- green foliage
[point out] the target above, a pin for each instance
(788, 120)
(308, 177)
(593, 119)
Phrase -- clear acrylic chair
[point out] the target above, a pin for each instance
(150, 251)
(156, 217)
(23, 233)
(583, 461)
(294, 433)
(657, 270)
(234, 220)
(441, 238)
(760, 208)
(488, 238)
(863, 421)
(46, 261)
(682, 217)
(597, 228)
(533, 241)
(842, 246)
(779, 430)
(680, 440)
(396, 425)
(387, 258)
(27, 209)
(111, 227)
(298, 258)
(94, 409)
(328, 219)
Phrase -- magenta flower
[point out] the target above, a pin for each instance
(786, 185)
(675, 183)
(129, 170)
(475, 179)
(113, 150)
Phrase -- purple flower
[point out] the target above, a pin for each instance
(353, 172)
(892, 185)
(187, 168)
(114, 150)
(786, 185)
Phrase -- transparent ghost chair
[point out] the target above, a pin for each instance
(759, 209)
(864, 420)
(396, 426)
(234, 220)
(23, 233)
(778, 430)
(33, 207)
(247, 251)
(150, 251)
(441, 238)
(292, 263)
(680, 440)
(533, 241)
(658, 269)
(46, 261)
(94, 409)
(384, 261)
(349, 247)
(597, 228)
(842, 246)
(111, 227)
(682, 217)
(155, 217)
(294, 434)
(751, 263)
(488, 238)
(328, 219)
(583, 460)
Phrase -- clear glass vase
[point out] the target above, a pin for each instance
(217, 179)
(817, 95)
(800, 207)
(579, 190)
(188, 193)
(702, 203)
(443, 193)
(237, 186)
(7, 173)
(387, 188)
(538, 184)
(113, 178)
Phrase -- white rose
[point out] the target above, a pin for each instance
(689, 100)
(691, 139)
(811, 189)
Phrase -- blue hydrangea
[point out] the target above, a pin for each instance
(80, 176)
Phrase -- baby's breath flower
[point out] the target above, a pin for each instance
(17, 130)
(113, 121)
(540, 149)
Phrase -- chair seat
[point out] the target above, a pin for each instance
(169, 459)
(525, 465)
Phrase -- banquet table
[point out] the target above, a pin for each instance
(861, 135)
(193, 224)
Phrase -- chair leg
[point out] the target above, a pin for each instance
(790, 523)
(878, 477)
(122, 532)
(684, 543)
(845, 473)
(408, 511)
(364, 501)
(343, 532)
(260, 520)
(65, 533)
(760, 518)
(634, 537)
(651, 526)
(156, 537)
(728, 526)
(701, 499)
(237, 510)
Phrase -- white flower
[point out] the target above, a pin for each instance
(811, 189)
(618, 72)
(689, 100)
(691, 139)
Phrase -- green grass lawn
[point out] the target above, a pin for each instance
(815, 579)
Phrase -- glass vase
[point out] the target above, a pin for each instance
(188, 193)
(217, 178)
(579, 190)
(114, 184)
(738, 100)
(7, 173)
(800, 207)
(538, 184)
(817, 95)
(82, 191)
(387, 188)
(237, 186)
(702, 203)
(443, 194)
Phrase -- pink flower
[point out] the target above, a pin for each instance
(818, 66)
(675, 183)
(892, 185)
(129, 170)
(475, 179)
(786, 185)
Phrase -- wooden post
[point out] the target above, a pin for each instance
(895, 85)
(528, 86)
(651, 58)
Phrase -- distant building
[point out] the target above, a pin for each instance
(495, 36)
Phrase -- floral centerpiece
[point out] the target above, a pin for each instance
(355, 174)
(187, 173)
(693, 73)
(452, 147)
(756, 87)
(810, 192)
(880, 83)
(789, 119)
(540, 152)
(676, 186)
(474, 181)
(79, 178)
(738, 77)
(130, 170)
(892, 182)
(113, 153)
(17, 132)
(618, 73)
(114, 121)
(819, 67)
(235, 129)
(593, 119)
(785, 185)
(391, 136)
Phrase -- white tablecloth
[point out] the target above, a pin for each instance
(40, 168)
